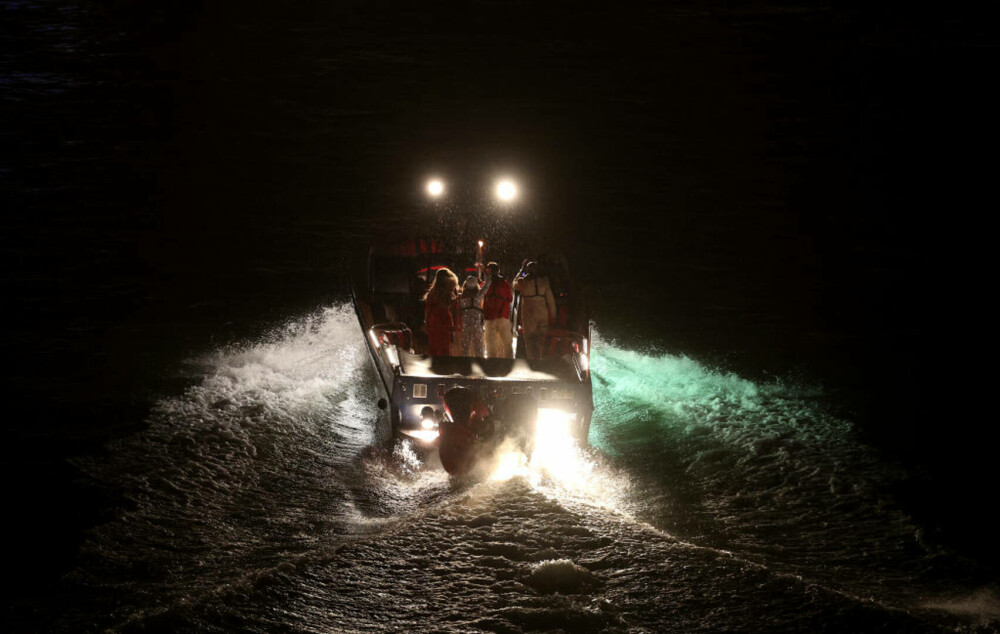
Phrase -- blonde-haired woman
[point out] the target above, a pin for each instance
(439, 312)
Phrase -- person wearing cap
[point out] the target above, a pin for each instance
(538, 307)
(470, 305)
(496, 314)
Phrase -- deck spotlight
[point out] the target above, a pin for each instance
(435, 188)
(506, 190)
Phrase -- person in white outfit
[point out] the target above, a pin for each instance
(470, 306)
(538, 307)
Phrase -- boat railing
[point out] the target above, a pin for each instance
(394, 333)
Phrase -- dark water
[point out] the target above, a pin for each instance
(778, 212)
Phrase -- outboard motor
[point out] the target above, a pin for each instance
(471, 432)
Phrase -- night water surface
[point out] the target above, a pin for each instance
(768, 208)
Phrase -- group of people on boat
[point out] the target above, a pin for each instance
(473, 318)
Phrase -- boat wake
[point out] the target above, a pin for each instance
(261, 497)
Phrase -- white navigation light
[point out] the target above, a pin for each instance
(428, 418)
(392, 355)
(506, 190)
(435, 188)
(423, 435)
(553, 427)
(556, 451)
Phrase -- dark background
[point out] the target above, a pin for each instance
(792, 190)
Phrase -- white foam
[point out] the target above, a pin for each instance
(984, 603)
(560, 575)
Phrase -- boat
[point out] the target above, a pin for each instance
(497, 398)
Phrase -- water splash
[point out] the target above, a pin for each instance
(254, 464)
(983, 604)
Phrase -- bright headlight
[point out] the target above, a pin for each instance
(435, 188)
(390, 353)
(555, 449)
(428, 418)
(423, 435)
(506, 190)
(552, 423)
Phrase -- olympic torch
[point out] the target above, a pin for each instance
(479, 261)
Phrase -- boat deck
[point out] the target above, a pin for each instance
(550, 369)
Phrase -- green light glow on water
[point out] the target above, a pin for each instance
(675, 394)
(761, 468)
(656, 404)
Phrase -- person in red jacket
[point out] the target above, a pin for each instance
(496, 315)
(439, 312)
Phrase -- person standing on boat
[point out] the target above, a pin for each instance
(471, 306)
(538, 307)
(496, 314)
(439, 312)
